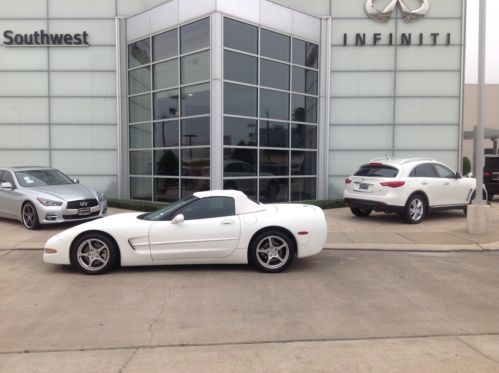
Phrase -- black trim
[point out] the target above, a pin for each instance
(75, 217)
(374, 205)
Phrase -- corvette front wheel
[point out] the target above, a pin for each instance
(94, 254)
(272, 251)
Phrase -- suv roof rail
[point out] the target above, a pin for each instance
(416, 160)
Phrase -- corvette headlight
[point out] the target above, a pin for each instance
(48, 202)
(102, 197)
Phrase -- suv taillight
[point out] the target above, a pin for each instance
(348, 181)
(487, 174)
(393, 184)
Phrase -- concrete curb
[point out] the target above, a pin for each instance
(492, 246)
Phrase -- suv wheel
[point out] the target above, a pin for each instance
(362, 212)
(415, 209)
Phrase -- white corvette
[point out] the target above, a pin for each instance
(214, 227)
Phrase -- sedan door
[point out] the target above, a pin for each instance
(10, 200)
(210, 229)
(454, 191)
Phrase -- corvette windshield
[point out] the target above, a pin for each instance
(164, 213)
(36, 178)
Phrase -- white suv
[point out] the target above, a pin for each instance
(411, 187)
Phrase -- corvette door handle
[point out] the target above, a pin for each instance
(227, 222)
(424, 183)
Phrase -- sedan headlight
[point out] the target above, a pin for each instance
(48, 202)
(102, 197)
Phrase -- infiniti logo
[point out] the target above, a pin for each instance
(83, 203)
(408, 14)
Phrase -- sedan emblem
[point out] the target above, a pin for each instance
(83, 203)
(408, 14)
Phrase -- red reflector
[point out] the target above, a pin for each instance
(393, 184)
(487, 174)
(348, 181)
(302, 233)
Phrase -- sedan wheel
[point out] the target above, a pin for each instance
(415, 210)
(30, 216)
(272, 251)
(94, 254)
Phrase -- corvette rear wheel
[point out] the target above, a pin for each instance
(94, 254)
(272, 251)
(362, 212)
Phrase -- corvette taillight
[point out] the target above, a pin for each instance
(393, 184)
(348, 181)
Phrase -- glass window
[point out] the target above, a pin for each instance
(166, 162)
(165, 45)
(304, 109)
(375, 170)
(303, 163)
(247, 186)
(304, 80)
(196, 100)
(240, 100)
(238, 35)
(274, 190)
(165, 74)
(240, 67)
(303, 189)
(305, 54)
(239, 162)
(195, 36)
(140, 162)
(274, 162)
(196, 162)
(140, 108)
(190, 186)
(141, 188)
(166, 134)
(195, 67)
(444, 172)
(274, 134)
(274, 104)
(166, 104)
(196, 131)
(303, 136)
(139, 80)
(208, 208)
(274, 74)
(139, 53)
(240, 131)
(166, 190)
(424, 170)
(140, 136)
(274, 45)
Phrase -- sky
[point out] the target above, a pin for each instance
(492, 50)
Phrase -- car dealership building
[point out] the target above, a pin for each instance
(155, 100)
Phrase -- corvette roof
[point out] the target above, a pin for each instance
(242, 203)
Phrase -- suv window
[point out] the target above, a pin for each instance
(372, 170)
(444, 172)
(423, 170)
(210, 207)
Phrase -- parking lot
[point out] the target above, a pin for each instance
(348, 309)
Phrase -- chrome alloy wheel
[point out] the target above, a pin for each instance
(29, 216)
(93, 254)
(272, 252)
(416, 209)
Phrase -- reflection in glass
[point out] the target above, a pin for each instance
(247, 186)
(195, 131)
(240, 131)
(304, 80)
(274, 74)
(240, 100)
(195, 36)
(304, 136)
(304, 109)
(166, 134)
(305, 53)
(240, 67)
(274, 104)
(166, 162)
(303, 163)
(139, 80)
(240, 162)
(274, 162)
(140, 108)
(196, 162)
(138, 53)
(274, 190)
(241, 36)
(141, 188)
(166, 190)
(165, 45)
(140, 136)
(166, 104)
(165, 74)
(303, 189)
(274, 45)
(195, 67)
(140, 162)
(274, 134)
(191, 186)
(196, 100)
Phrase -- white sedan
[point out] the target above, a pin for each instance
(214, 227)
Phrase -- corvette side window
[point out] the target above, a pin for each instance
(424, 170)
(207, 208)
(444, 172)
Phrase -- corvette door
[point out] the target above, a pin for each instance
(210, 229)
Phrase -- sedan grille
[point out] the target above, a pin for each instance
(82, 203)
(72, 217)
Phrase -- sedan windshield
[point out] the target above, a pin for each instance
(165, 212)
(36, 178)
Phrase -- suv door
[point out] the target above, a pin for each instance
(454, 191)
(425, 178)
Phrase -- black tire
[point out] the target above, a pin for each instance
(415, 209)
(93, 248)
(362, 212)
(29, 216)
(271, 251)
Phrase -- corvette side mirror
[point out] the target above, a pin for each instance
(458, 175)
(178, 219)
(76, 181)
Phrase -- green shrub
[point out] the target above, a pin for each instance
(466, 166)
